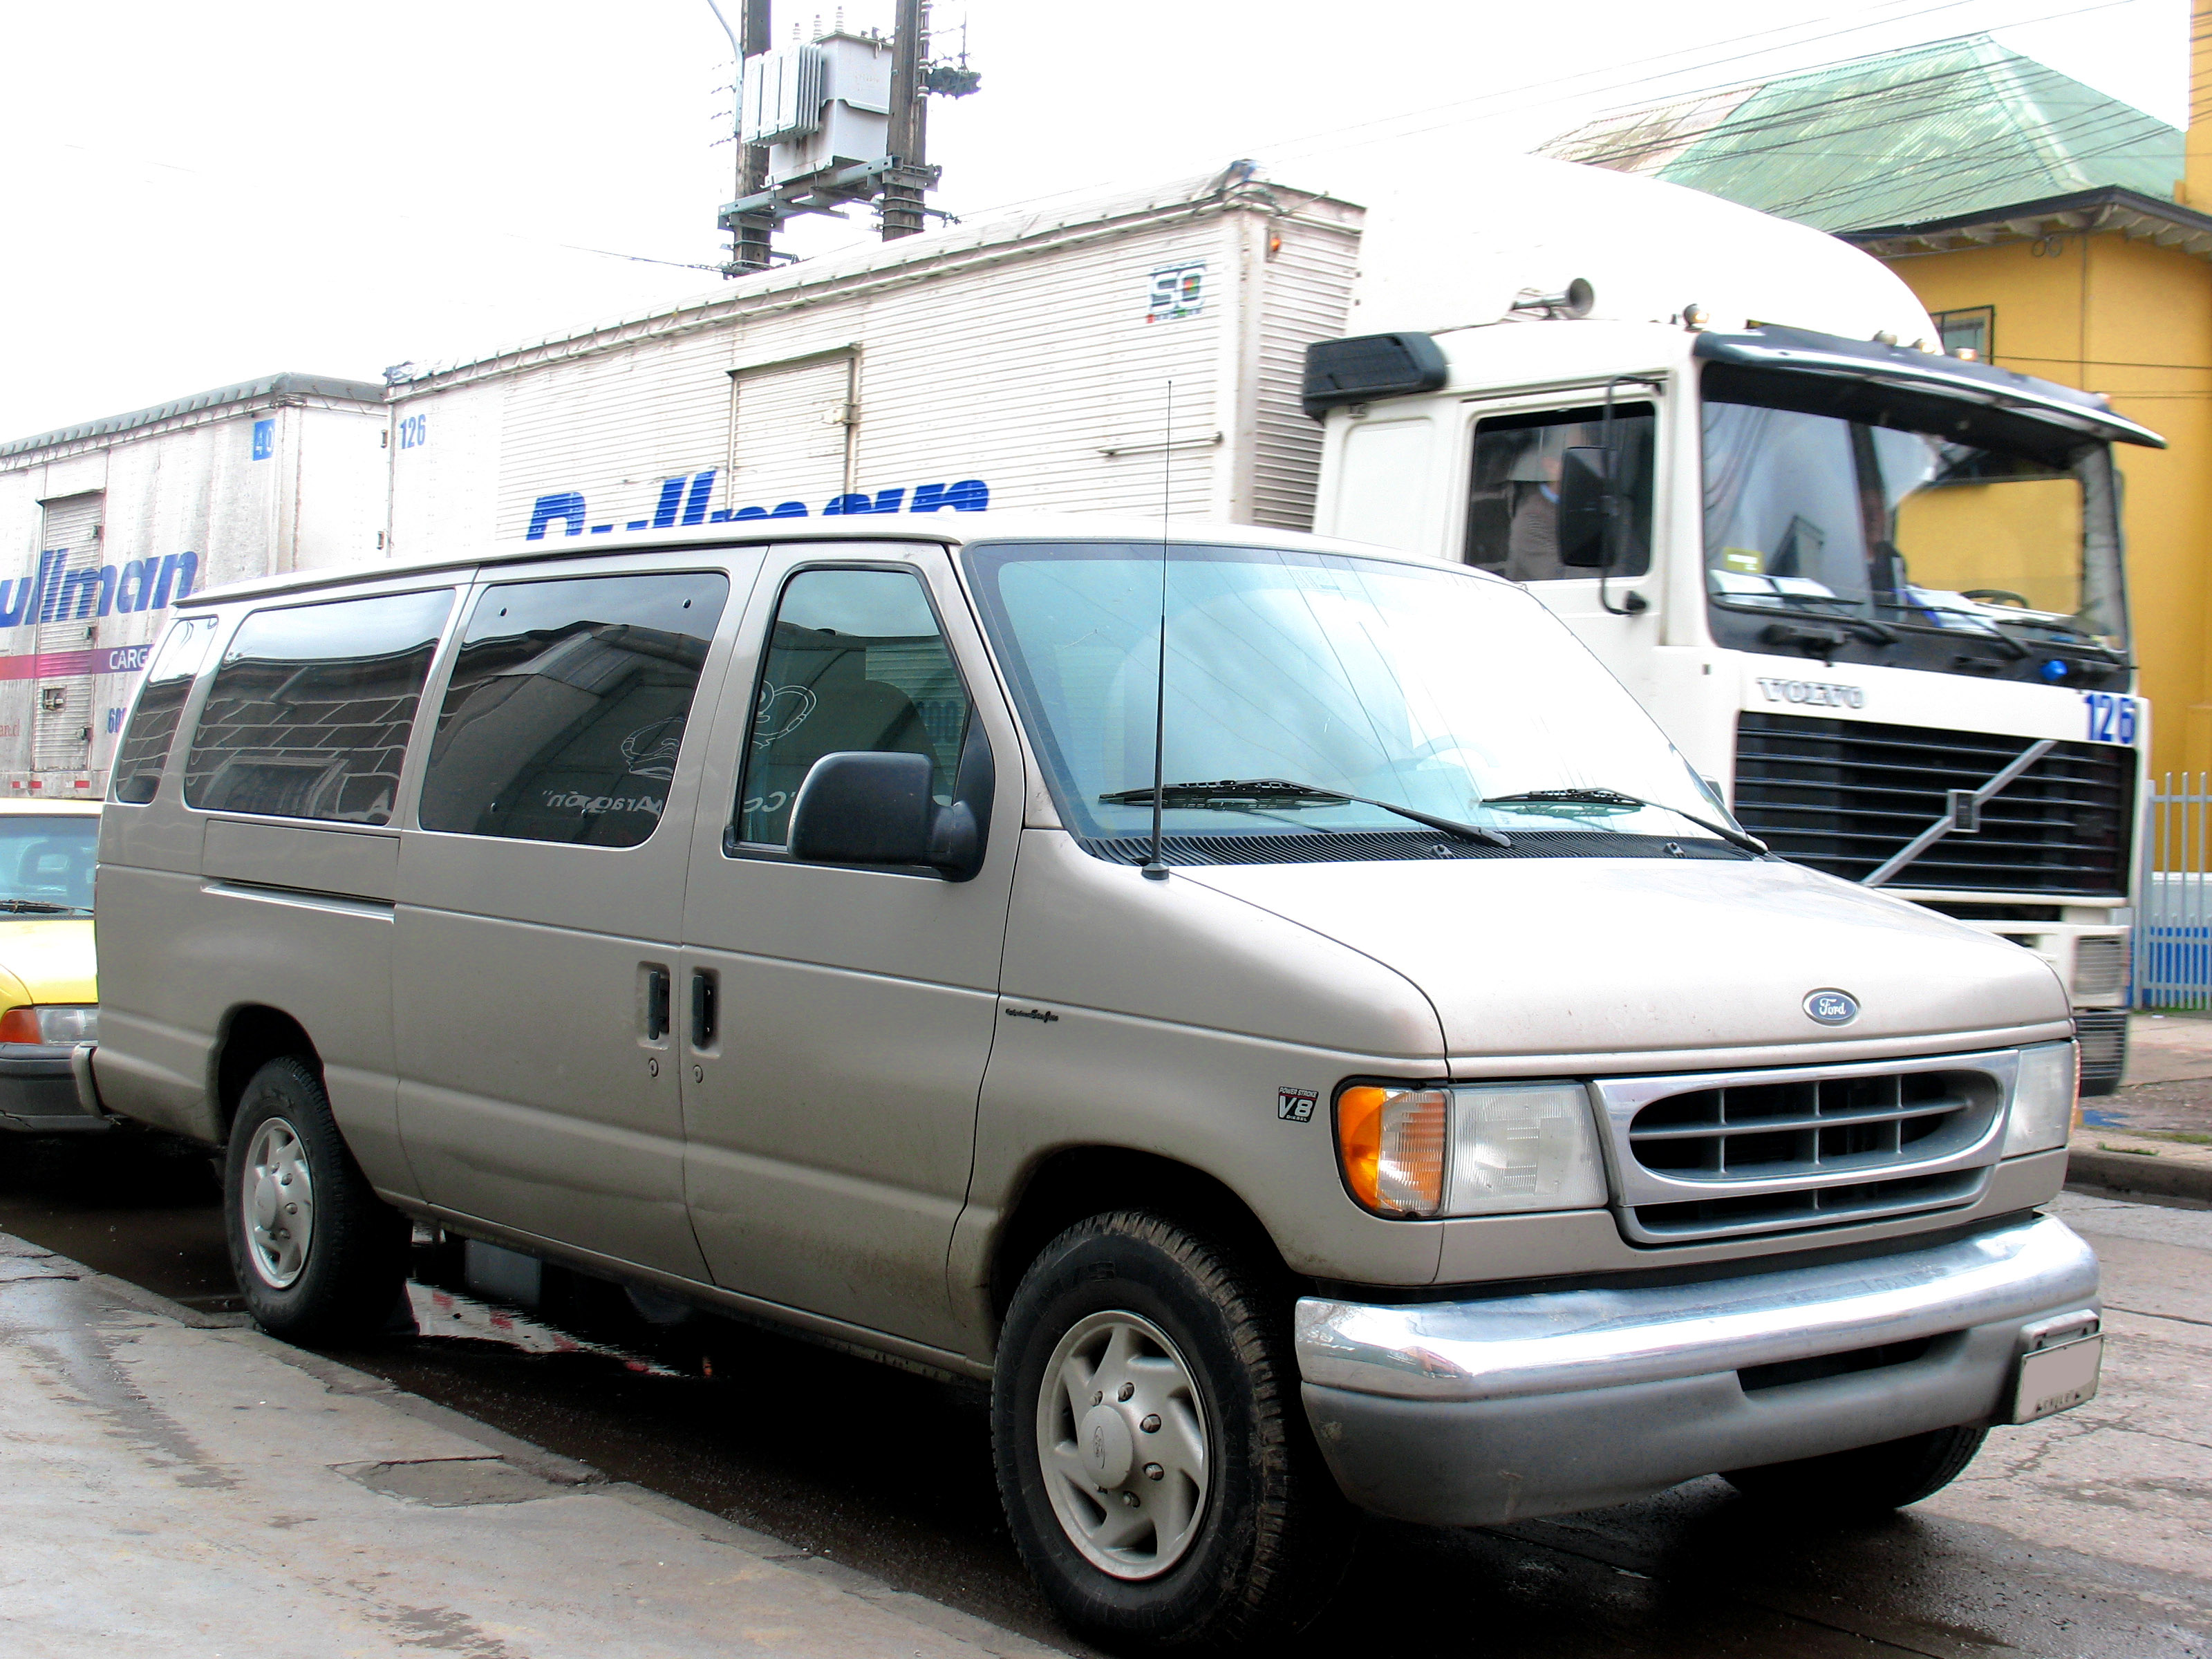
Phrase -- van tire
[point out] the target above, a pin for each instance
(1270, 1532)
(1867, 1479)
(342, 1283)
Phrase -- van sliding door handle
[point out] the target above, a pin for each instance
(656, 1004)
(702, 1008)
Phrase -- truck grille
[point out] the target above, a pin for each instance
(1843, 796)
(1720, 1156)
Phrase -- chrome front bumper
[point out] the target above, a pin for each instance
(1469, 1413)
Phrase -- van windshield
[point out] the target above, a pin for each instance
(1435, 688)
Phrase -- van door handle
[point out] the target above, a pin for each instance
(702, 1008)
(656, 1003)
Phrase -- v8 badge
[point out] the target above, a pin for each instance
(1296, 1105)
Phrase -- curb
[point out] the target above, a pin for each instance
(2107, 1161)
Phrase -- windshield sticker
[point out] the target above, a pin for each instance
(1296, 1105)
(1819, 694)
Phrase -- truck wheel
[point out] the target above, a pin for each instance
(1152, 1451)
(1866, 1480)
(318, 1256)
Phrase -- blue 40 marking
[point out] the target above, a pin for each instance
(2112, 717)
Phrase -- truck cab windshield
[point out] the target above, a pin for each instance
(1968, 552)
(1320, 694)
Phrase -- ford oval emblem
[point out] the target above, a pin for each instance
(1831, 1007)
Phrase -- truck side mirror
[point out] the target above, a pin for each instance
(862, 806)
(1585, 506)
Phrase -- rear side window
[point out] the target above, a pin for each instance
(144, 750)
(856, 661)
(310, 708)
(566, 708)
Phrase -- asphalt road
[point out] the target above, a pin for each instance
(2089, 1534)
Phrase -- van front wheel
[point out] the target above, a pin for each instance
(318, 1256)
(1152, 1449)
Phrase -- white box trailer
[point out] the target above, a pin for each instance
(103, 526)
(1022, 363)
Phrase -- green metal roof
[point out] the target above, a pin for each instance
(1931, 132)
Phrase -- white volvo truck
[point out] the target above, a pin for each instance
(1874, 593)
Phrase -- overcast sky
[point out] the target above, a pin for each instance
(197, 195)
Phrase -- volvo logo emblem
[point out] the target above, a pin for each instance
(1831, 1007)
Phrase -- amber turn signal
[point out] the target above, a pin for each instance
(1392, 1144)
(20, 1025)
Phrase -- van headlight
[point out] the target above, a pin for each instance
(1487, 1149)
(2043, 1092)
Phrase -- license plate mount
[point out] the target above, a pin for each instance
(2053, 1379)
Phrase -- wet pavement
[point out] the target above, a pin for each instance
(2088, 1534)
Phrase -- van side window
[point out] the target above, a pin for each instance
(856, 661)
(312, 706)
(144, 750)
(566, 708)
(1512, 508)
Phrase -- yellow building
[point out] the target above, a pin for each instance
(2052, 229)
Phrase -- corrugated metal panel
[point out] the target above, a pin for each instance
(1307, 298)
(61, 717)
(1028, 376)
(617, 429)
(1893, 139)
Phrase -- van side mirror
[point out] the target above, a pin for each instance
(1585, 506)
(863, 807)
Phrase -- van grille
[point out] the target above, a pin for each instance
(1844, 796)
(1818, 1206)
(1771, 1152)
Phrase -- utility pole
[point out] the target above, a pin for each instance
(900, 203)
(748, 239)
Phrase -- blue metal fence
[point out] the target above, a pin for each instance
(2173, 924)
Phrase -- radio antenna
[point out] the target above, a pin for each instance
(1156, 868)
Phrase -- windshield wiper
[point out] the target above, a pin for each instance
(1615, 798)
(41, 908)
(1280, 791)
(1879, 633)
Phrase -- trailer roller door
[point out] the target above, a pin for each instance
(794, 428)
(61, 714)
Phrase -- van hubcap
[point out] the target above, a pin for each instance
(278, 1197)
(1123, 1438)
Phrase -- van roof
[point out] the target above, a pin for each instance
(946, 530)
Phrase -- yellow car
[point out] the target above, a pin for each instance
(49, 986)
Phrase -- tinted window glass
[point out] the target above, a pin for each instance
(145, 746)
(566, 708)
(1512, 517)
(856, 661)
(310, 710)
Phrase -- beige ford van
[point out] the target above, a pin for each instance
(1276, 1010)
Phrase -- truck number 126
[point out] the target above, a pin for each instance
(2112, 717)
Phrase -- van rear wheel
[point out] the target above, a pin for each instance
(318, 1256)
(1152, 1451)
(1867, 1479)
